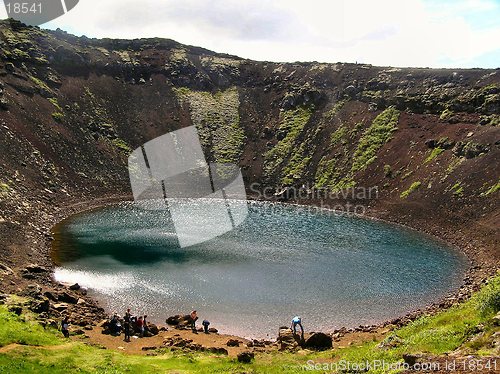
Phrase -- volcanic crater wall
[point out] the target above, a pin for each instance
(72, 108)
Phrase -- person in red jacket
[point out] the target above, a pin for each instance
(194, 317)
(140, 326)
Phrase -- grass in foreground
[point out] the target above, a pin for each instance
(44, 351)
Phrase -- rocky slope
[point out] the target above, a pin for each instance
(71, 110)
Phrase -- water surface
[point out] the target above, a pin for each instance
(333, 270)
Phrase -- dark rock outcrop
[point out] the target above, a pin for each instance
(245, 357)
(319, 341)
(233, 343)
(470, 149)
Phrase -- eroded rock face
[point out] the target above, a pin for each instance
(470, 149)
(302, 96)
(287, 340)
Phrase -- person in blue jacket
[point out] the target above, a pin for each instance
(297, 321)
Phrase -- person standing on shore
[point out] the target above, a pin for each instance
(126, 325)
(194, 318)
(145, 323)
(128, 315)
(65, 327)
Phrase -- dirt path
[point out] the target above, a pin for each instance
(136, 345)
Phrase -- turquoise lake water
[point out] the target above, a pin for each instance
(333, 270)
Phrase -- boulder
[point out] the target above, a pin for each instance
(286, 340)
(40, 306)
(50, 295)
(496, 319)
(470, 149)
(60, 306)
(74, 287)
(9, 66)
(246, 357)
(5, 270)
(152, 328)
(258, 343)
(213, 330)
(33, 290)
(174, 320)
(233, 343)
(319, 341)
(218, 350)
(410, 359)
(4, 103)
(67, 298)
(16, 309)
(52, 323)
(103, 323)
(35, 268)
(392, 341)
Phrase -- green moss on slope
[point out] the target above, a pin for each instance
(434, 153)
(296, 166)
(216, 117)
(338, 136)
(374, 138)
(58, 116)
(413, 187)
(292, 124)
(494, 188)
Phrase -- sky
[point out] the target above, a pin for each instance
(417, 33)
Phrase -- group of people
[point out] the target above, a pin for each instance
(139, 324)
(129, 324)
(193, 317)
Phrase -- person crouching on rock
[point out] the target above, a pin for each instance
(65, 327)
(193, 317)
(140, 326)
(297, 321)
(115, 325)
(205, 324)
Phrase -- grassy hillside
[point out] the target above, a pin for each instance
(27, 347)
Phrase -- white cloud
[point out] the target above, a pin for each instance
(384, 32)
